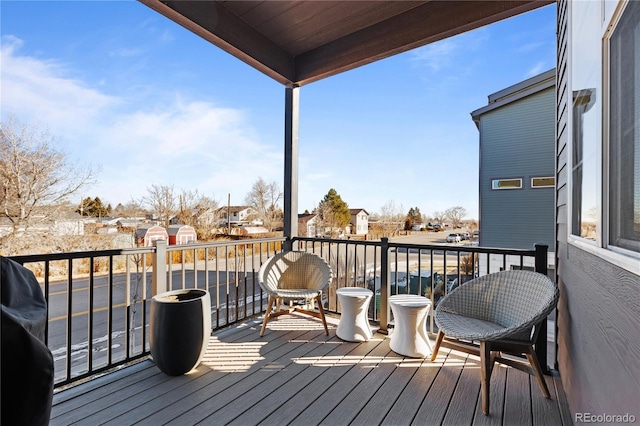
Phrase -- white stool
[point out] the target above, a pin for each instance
(354, 321)
(409, 335)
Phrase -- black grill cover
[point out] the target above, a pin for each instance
(27, 363)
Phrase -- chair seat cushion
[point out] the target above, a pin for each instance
(461, 327)
(296, 293)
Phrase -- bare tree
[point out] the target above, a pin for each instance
(455, 215)
(208, 216)
(161, 201)
(187, 205)
(34, 173)
(438, 217)
(391, 218)
(198, 211)
(264, 198)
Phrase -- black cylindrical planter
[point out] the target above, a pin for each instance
(180, 325)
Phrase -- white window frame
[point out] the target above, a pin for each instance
(543, 186)
(497, 188)
(625, 259)
(606, 67)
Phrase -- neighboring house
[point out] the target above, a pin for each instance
(517, 167)
(598, 204)
(238, 216)
(129, 223)
(308, 225)
(359, 221)
(108, 221)
(250, 230)
(146, 235)
(67, 227)
(107, 230)
(181, 234)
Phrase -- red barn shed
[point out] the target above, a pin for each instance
(181, 234)
(146, 235)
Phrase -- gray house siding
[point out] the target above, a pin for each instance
(599, 311)
(517, 141)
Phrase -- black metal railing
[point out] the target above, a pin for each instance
(98, 301)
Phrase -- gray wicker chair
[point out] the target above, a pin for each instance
(497, 314)
(292, 276)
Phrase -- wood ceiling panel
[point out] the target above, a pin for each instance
(304, 41)
(342, 23)
(425, 24)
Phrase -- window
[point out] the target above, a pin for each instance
(586, 117)
(506, 184)
(543, 182)
(624, 130)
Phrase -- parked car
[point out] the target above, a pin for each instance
(437, 227)
(453, 238)
(465, 236)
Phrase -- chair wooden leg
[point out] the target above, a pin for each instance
(321, 310)
(486, 367)
(272, 300)
(434, 352)
(533, 360)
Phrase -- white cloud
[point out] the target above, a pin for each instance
(444, 53)
(537, 69)
(181, 142)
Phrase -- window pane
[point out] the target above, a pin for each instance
(624, 133)
(541, 182)
(586, 119)
(506, 184)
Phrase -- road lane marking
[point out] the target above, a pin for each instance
(77, 314)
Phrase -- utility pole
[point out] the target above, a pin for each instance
(229, 214)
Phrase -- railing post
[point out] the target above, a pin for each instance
(384, 285)
(541, 257)
(159, 274)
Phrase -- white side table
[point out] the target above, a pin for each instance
(354, 322)
(409, 335)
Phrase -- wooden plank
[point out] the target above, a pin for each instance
(81, 389)
(341, 389)
(545, 411)
(132, 410)
(409, 400)
(201, 395)
(115, 397)
(245, 384)
(383, 400)
(434, 406)
(129, 406)
(517, 403)
(465, 396)
(352, 404)
(496, 403)
(348, 352)
(274, 392)
(92, 394)
(561, 397)
(302, 377)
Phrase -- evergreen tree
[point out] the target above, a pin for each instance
(334, 213)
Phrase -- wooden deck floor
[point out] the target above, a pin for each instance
(297, 375)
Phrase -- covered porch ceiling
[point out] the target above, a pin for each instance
(299, 42)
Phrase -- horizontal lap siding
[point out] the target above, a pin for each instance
(599, 308)
(518, 142)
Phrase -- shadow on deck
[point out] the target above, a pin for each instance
(297, 375)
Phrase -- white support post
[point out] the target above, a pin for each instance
(159, 274)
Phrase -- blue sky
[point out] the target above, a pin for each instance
(123, 88)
